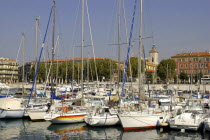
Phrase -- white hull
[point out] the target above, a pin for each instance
(188, 121)
(133, 121)
(36, 115)
(65, 117)
(106, 120)
(207, 124)
(11, 113)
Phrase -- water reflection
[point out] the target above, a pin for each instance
(26, 129)
(189, 135)
(65, 131)
(108, 133)
(10, 129)
(141, 134)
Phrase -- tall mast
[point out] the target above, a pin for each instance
(23, 67)
(57, 59)
(73, 69)
(37, 27)
(83, 4)
(53, 45)
(66, 72)
(140, 50)
(118, 79)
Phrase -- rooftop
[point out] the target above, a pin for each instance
(192, 54)
(6, 59)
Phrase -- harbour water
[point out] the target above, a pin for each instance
(25, 129)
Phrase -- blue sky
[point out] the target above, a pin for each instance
(176, 26)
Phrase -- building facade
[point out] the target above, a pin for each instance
(8, 70)
(192, 63)
(153, 55)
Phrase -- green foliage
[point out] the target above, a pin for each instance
(150, 76)
(104, 69)
(183, 76)
(162, 69)
(134, 66)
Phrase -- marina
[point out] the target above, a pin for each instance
(52, 90)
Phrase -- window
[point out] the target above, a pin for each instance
(186, 65)
(206, 65)
(196, 65)
(191, 66)
(207, 59)
(195, 59)
(209, 71)
(186, 59)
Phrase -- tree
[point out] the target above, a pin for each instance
(103, 69)
(150, 76)
(183, 77)
(134, 67)
(162, 69)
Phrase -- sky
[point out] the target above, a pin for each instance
(174, 26)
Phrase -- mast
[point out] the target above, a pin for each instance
(36, 45)
(53, 45)
(66, 72)
(88, 70)
(82, 53)
(73, 69)
(23, 67)
(118, 79)
(140, 49)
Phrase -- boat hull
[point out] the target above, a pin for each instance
(11, 113)
(107, 120)
(140, 121)
(66, 118)
(187, 121)
(37, 115)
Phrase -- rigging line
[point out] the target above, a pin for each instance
(92, 44)
(75, 24)
(129, 46)
(46, 80)
(43, 43)
(13, 67)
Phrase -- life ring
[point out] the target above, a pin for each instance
(65, 109)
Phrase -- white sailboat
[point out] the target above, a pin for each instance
(11, 108)
(102, 116)
(142, 119)
(191, 118)
(70, 114)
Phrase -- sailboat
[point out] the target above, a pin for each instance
(36, 109)
(101, 115)
(140, 119)
(192, 117)
(13, 107)
(66, 112)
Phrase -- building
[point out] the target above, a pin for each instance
(192, 63)
(8, 70)
(153, 55)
